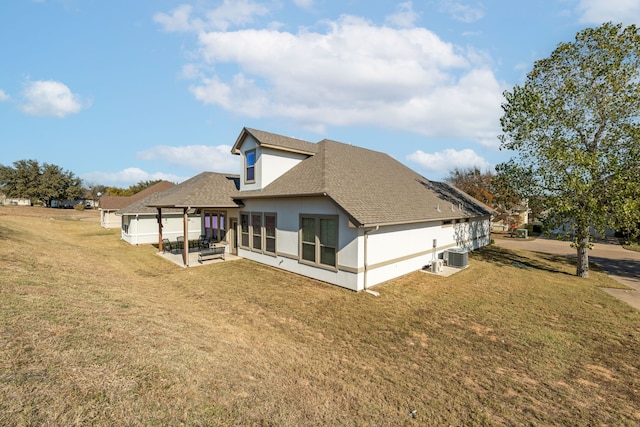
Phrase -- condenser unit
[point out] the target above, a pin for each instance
(457, 257)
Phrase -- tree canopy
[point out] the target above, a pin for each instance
(28, 179)
(474, 182)
(574, 126)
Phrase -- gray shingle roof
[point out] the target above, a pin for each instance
(371, 187)
(267, 139)
(208, 189)
(112, 203)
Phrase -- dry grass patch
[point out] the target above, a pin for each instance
(95, 331)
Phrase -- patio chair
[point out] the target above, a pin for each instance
(166, 246)
(203, 242)
(180, 242)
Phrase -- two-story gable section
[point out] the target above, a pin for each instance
(356, 218)
(267, 156)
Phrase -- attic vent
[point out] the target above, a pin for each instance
(457, 257)
(438, 208)
(452, 209)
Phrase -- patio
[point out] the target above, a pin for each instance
(176, 257)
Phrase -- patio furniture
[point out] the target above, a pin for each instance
(203, 242)
(166, 246)
(180, 242)
(211, 253)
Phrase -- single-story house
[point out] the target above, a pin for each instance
(342, 214)
(213, 198)
(9, 201)
(139, 222)
(109, 205)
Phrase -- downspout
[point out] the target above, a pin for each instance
(137, 229)
(366, 263)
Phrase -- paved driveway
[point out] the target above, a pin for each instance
(620, 264)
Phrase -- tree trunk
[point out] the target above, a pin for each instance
(582, 246)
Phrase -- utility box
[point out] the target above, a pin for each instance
(522, 233)
(437, 266)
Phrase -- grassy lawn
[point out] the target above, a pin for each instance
(94, 331)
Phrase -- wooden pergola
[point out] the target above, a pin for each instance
(208, 190)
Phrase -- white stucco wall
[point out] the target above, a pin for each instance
(274, 164)
(397, 250)
(288, 223)
(109, 219)
(143, 229)
(270, 164)
(391, 251)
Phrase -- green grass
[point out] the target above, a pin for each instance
(94, 331)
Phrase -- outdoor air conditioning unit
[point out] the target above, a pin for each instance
(457, 257)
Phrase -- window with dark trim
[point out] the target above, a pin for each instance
(250, 160)
(256, 231)
(319, 239)
(215, 225)
(270, 233)
(244, 230)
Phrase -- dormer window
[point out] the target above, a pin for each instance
(250, 168)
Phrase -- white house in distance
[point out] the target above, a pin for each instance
(110, 205)
(337, 213)
(139, 222)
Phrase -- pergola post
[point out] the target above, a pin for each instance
(185, 242)
(160, 230)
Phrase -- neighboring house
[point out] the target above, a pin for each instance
(109, 205)
(517, 217)
(337, 213)
(140, 220)
(6, 201)
(212, 196)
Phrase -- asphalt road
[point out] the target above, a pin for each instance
(620, 264)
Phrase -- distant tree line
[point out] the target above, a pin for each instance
(44, 183)
(28, 179)
(495, 191)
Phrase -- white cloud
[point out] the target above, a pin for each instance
(304, 4)
(198, 158)
(462, 12)
(51, 98)
(127, 177)
(355, 73)
(229, 13)
(599, 12)
(405, 17)
(4, 96)
(179, 20)
(447, 160)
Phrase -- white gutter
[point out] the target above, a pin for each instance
(366, 264)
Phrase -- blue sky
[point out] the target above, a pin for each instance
(124, 91)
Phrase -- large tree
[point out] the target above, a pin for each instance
(474, 182)
(575, 128)
(28, 179)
